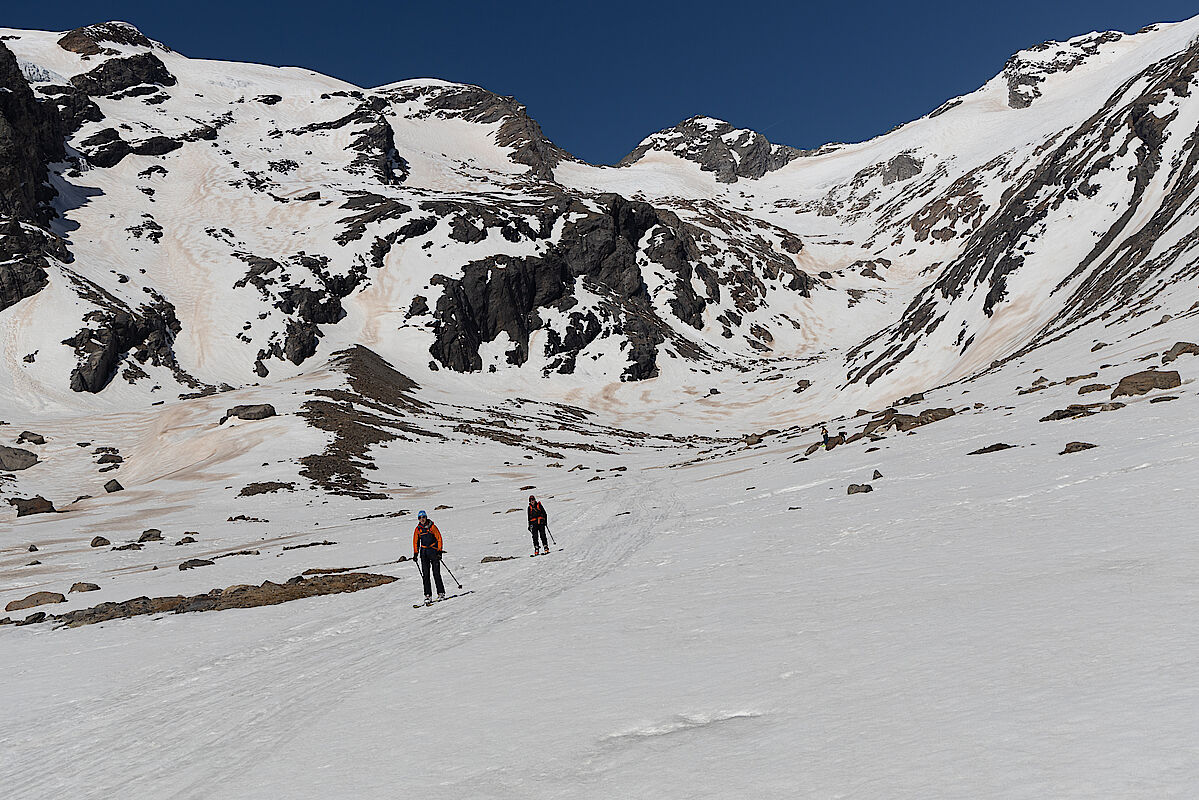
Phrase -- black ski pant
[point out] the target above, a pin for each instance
(430, 561)
(538, 528)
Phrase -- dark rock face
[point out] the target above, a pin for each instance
(859, 488)
(35, 505)
(100, 541)
(118, 74)
(1077, 447)
(704, 141)
(14, 458)
(147, 334)
(35, 599)
(501, 294)
(83, 587)
(193, 563)
(1143, 382)
(151, 535)
(31, 135)
(250, 412)
(31, 437)
(105, 148)
(113, 486)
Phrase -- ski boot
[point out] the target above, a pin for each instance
(428, 600)
(440, 596)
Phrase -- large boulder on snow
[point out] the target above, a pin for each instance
(33, 505)
(35, 599)
(261, 411)
(1146, 381)
(14, 458)
(1180, 349)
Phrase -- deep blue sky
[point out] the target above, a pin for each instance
(601, 76)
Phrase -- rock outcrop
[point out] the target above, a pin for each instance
(240, 596)
(34, 505)
(14, 458)
(249, 412)
(35, 599)
(1143, 382)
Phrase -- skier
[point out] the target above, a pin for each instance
(824, 435)
(537, 520)
(426, 542)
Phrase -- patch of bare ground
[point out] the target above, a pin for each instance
(240, 596)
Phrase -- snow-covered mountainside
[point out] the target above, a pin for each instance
(253, 318)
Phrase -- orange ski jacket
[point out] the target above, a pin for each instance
(536, 514)
(427, 537)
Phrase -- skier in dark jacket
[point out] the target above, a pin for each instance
(537, 521)
(427, 544)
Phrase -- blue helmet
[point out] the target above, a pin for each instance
(421, 514)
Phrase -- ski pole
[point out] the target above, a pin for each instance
(551, 533)
(447, 569)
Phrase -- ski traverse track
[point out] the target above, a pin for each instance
(260, 684)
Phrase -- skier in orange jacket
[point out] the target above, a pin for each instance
(537, 522)
(427, 544)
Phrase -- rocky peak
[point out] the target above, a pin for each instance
(1027, 69)
(90, 40)
(718, 147)
(518, 131)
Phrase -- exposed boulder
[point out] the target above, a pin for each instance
(876, 475)
(100, 541)
(1093, 387)
(193, 563)
(249, 412)
(35, 599)
(35, 505)
(1146, 381)
(14, 458)
(113, 486)
(31, 438)
(859, 488)
(84, 587)
(1076, 447)
(493, 559)
(151, 535)
(1180, 349)
(991, 448)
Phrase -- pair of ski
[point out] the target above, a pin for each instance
(442, 600)
(546, 553)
